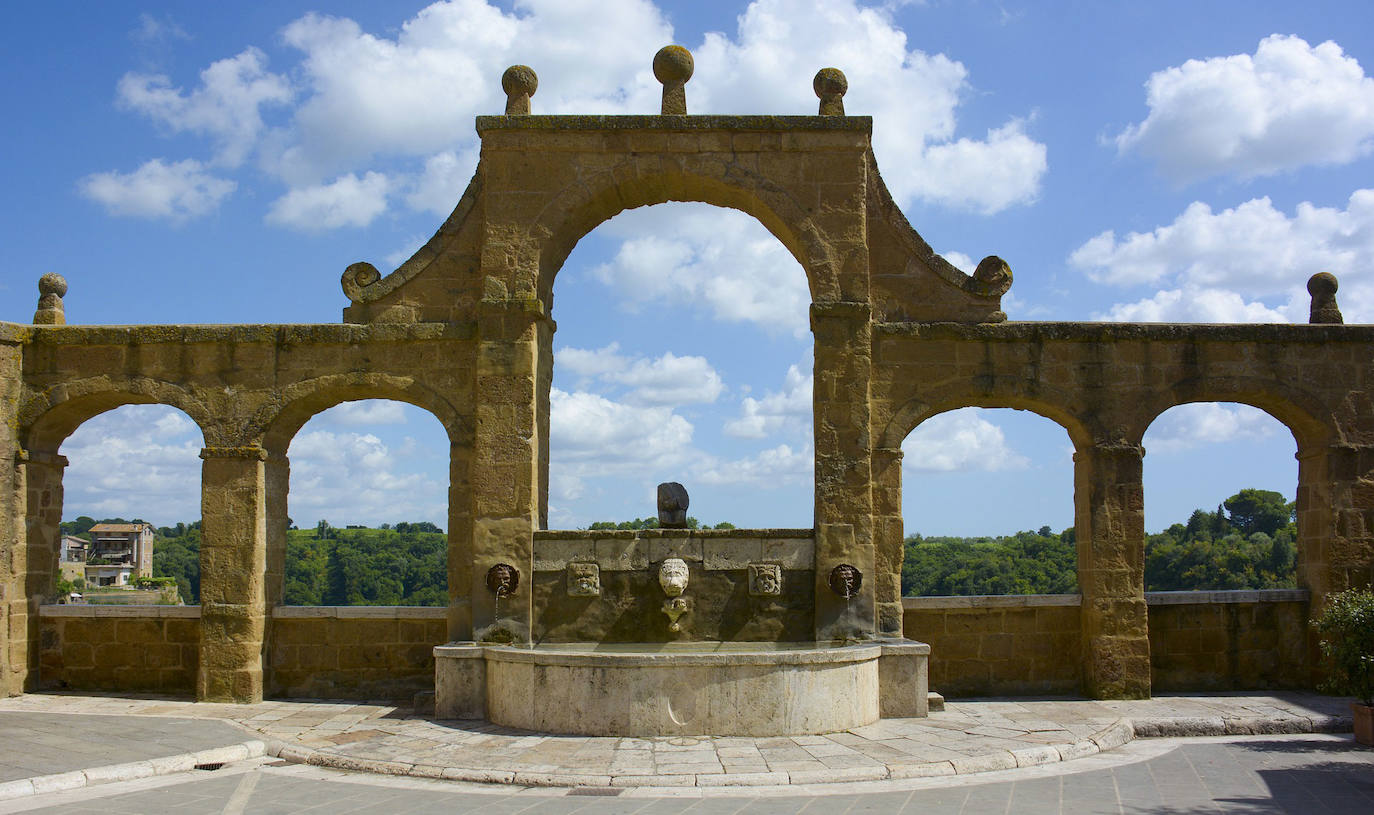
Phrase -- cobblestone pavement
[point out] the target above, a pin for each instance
(967, 737)
(1297, 774)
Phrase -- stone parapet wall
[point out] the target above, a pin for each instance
(120, 648)
(1230, 640)
(994, 646)
(353, 652)
(1199, 640)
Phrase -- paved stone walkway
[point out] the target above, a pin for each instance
(967, 737)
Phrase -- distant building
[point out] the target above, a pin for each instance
(119, 552)
(72, 560)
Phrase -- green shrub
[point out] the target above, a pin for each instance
(1347, 641)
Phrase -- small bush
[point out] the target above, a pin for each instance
(1347, 641)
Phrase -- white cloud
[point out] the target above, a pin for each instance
(138, 461)
(365, 412)
(667, 380)
(438, 188)
(354, 478)
(769, 469)
(224, 107)
(789, 408)
(960, 440)
(1289, 105)
(346, 201)
(960, 261)
(589, 428)
(1216, 266)
(985, 176)
(720, 260)
(176, 191)
(1187, 427)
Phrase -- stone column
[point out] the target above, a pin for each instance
(460, 583)
(14, 636)
(1109, 519)
(233, 566)
(277, 484)
(42, 547)
(505, 463)
(844, 495)
(890, 540)
(1335, 520)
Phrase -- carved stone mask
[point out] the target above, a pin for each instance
(672, 576)
(845, 580)
(502, 579)
(584, 580)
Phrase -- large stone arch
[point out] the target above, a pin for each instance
(1302, 413)
(1000, 392)
(632, 182)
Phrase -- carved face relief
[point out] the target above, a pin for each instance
(765, 579)
(672, 576)
(845, 580)
(584, 580)
(502, 579)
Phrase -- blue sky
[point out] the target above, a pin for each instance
(208, 163)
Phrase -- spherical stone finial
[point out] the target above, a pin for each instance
(519, 82)
(673, 66)
(830, 85)
(1322, 286)
(51, 288)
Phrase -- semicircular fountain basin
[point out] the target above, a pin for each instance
(700, 688)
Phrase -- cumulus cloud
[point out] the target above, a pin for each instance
(1188, 427)
(769, 469)
(1288, 105)
(354, 477)
(356, 97)
(589, 427)
(960, 440)
(789, 408)
(137, 461)
(225, 107)
(1216, 266)
(346, 201)
(721, 261)
(176, 191)
(667, 380)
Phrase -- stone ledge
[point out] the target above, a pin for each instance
(1294, 333)
(861, 124)
(360, 612)
(992, 601)
(283, 333)
(631, 534)
(129, 611)
(1188, 598)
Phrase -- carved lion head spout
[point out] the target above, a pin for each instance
(672, 576)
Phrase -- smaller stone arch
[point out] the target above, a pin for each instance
(49, 416)
(630, 183)
(1047, 403)
(278, 423)
(1305, 416)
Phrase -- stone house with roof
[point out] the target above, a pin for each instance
(119, 552)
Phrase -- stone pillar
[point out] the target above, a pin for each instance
(505, 461)
(890, 540)
(277, 485)
(1109, 519)
(233, 567)
(844, 466)
(14, 621)
(1335, 520)
(42, 547)
(460, 583)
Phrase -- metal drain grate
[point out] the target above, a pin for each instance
(211, 766)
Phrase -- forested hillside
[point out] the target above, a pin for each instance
(1247, 543)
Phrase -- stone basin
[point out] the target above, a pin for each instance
(667, 689)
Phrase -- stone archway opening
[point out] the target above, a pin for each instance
(989, 564)
(683, 353)
(1220, 492)
(367, 508)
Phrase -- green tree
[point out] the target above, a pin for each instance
(1258, 511)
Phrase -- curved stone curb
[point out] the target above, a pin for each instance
(1114, 735)
(167, 765)
(1185, 726)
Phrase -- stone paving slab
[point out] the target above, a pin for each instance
(966, 737)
